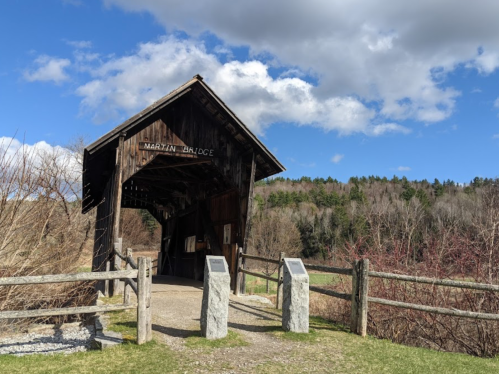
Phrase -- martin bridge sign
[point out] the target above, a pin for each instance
(177, 149)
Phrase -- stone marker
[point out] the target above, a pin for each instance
(295, 296)
(215, 307)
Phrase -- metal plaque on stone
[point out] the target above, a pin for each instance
(295, 304)
(217, 265)
(215, 305)
(296, 267)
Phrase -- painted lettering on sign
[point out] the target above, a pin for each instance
(179, 149)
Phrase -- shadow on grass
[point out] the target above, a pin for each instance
(319, 323)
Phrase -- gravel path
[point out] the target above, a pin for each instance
(176, 311)
(49, 341)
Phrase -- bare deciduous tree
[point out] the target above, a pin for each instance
(271, 233)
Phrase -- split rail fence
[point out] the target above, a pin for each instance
(360, 290)
(240, 271)
(140, 271)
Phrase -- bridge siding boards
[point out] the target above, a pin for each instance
(189, 194)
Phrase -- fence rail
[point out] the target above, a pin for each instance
(360, 283)
(240, 271)
(60, 278)
(142, 288)
(437, 282)
(329, 269)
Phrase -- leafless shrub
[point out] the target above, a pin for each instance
(42, 230)
(272, 233)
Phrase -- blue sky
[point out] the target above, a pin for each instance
(333, 88)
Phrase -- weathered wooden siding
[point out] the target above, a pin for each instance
(185, 125)
(104, 227)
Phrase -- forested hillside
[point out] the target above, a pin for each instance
(410, 220)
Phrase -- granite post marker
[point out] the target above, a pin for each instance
(295, 309)
(216, 290)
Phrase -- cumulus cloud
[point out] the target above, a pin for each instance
(496, 103)
(337, 158)
(495, 136)
(12, 150)
(48, 69)
(395, 53)
(124, 85)
(403, 168)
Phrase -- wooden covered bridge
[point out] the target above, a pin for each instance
(192, 164)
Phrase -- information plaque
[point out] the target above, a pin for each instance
(296, 267)
(217, 265)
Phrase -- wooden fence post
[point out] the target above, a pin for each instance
(106, 282)
(355, 297)
(363, 293)
(126, 291)
(148, 300)
(360, 286)
(278, 303)
(144, 300)
(117, 289)
(239, 275)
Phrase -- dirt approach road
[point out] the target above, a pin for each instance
(176, 307)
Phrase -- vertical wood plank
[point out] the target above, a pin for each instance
(148, 300)
(363, 293)
(239, 275)
(278, 303)
(117, 266)
(355, 297)
(159, 263)
(106, 282)
(249, 213)
(142, 301)
(126, 291)
(116, 201)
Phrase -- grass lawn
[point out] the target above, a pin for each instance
(328, 348)
(256, 285)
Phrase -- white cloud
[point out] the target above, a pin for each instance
(13, 151)
(495, 136)
(80, 44)
(496, 103)
(403, 168)
(395, 53)
(378, 130)
(48, 69)
(337, 158)
(124, 85)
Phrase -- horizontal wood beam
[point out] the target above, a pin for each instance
(435, 281)
(159, 167)
(339, 295)
(328, 269)
(437, 310)
(259, 275)
(168, 179)
(258, 258)
(59, 278)
(65, 311)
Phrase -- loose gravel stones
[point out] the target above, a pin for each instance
(61, 340)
